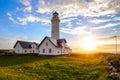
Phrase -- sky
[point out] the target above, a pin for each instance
(30, 20)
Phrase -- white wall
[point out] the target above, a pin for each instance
(64, 49)
(55, 27)
(34, 48)
(55, 30)
(55, 51)
(26, 51)
(18, 49)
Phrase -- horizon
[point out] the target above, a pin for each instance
(30, 20)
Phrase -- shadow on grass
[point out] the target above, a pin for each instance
(10, 60)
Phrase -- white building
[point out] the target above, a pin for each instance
(49, 45)
(54, 45)
(23, 47)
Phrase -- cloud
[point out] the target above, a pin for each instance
(27, 19)
(30, 18)
(98, 21)
(69, 8)
(117, 18)
(9, 14)
(109, 25)
(27, 5)
(28, 8)
(10, 17)
(76, 31)
(67, 20)
(69, 24)
(25, 2)
(63, 7)
(42, 2)
(104, 7)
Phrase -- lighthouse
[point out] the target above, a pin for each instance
(53, 45)
(55, 26)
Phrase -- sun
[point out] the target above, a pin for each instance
(89, 43)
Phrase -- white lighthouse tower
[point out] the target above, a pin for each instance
(55, 26)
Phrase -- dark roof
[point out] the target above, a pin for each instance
(61, 40)
(55, 13)
(55, 42)
(35, 43)
(25, 44)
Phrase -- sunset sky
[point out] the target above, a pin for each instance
(30, 20)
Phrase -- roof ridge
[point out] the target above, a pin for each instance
(26, 41)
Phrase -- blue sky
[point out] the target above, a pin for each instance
(30, 20)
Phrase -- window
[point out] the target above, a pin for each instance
(50, 50)
(25, 50)
(29, 46)
(46, 44)
(43, 50)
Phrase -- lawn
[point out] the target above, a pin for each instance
(34, 67)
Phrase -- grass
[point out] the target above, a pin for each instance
(3, 51)
(33, 67)
(114, 59)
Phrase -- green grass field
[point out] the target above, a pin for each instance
(33, 67)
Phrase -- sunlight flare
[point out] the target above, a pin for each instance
(89, 43)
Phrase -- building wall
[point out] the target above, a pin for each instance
(64, 49)
(55, 27)
(34, 48)
(26, 51)
(18, 49)
(46, 45)
(59, 51)
(55, 30)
